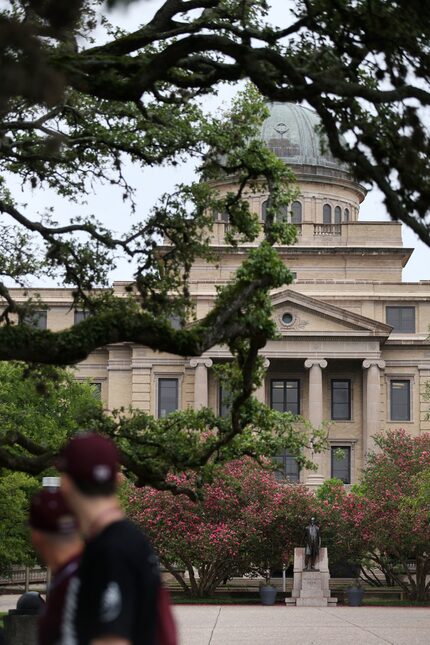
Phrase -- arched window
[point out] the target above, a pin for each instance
(296, 213)
(346, 215)
(264, 210)
(282, 214)
(337, 215)
(219, 216)
(327, 214)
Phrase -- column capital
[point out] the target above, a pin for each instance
(310, 362)
(368, 362)
(266, 363)
(206, 362)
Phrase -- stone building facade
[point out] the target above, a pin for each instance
(354, 347)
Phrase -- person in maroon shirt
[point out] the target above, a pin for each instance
(55, 537)
(116, 597)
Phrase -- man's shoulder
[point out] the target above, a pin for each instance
(121, 536)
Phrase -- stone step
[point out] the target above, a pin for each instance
(311, 602)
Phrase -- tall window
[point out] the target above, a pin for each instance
(282, 214)
(37, 319)
(97, 390)
(346, 215)
(287, 467)
(327, 214)
(337, 215)
(224, 399)
(400, 400)
(80, 315)
(167, 396)
(264, 210)
(402, 319)
(341, 400)
(285, 395)
(219, 216)
(341, 463)
(296, 213)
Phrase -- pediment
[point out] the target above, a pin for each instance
(297, 314)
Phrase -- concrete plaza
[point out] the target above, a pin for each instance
(278, 625)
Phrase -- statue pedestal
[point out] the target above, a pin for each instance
(311, 588)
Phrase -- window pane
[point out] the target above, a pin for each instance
(285, 396)
(167, 396)
(80, 315)
(337, 215)
(296, 213)
(402, 319)
(37, 319)
(97, 390)
(282, 214)
(341, 463)
(263, 210)
(400, 395)
(346, 215)
(287, 467)
(224, 402)
(327, 214)
(341, 400)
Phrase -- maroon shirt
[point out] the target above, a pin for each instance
(50, 620)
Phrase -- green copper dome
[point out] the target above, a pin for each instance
(291, 132)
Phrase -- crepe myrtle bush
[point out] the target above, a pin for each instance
(244, 522)
(384, 522)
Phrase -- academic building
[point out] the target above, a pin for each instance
(354, 347)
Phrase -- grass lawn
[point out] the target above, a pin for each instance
(254, 599)
(375, 602)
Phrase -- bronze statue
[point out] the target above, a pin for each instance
(312, 545)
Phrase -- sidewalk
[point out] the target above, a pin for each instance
(258, 625)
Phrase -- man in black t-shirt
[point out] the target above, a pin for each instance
(113, 600)
(55, 537)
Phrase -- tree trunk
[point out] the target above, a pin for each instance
(423, 566)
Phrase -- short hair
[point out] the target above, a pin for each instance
(95, 489)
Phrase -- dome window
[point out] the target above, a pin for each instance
(296, 213)
(337, 215)
(327, 214)
(282, 214)
(346, 215)
(219, 216)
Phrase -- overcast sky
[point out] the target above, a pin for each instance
(151, 183)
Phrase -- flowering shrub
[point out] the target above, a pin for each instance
(244, 522)
(395, 526)
(385, 522)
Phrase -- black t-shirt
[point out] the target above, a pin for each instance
(50, 619)
(115, 591)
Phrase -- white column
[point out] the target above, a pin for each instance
(371, 402)
(201, 398)
(315, 367)
(260, 392)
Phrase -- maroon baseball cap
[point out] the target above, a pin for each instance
(49, 513)
(90, 458)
